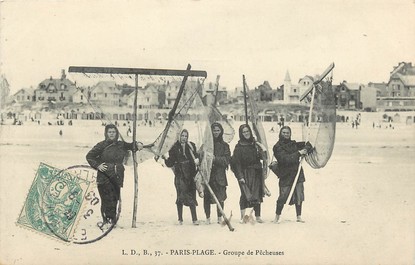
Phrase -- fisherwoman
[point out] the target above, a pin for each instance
(288, 153)
(218, 180)
(247, 167)
(184, 160)
(107, 157)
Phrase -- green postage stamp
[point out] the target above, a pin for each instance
(54, 202)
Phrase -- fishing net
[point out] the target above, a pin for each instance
(109, 98)
(259, 133)
(216, 116)
(321, 130)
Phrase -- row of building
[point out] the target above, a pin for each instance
(398, 94)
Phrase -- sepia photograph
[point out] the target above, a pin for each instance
(207, 132)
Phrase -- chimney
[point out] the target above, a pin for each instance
(63, 74)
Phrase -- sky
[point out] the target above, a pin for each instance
(260, 39)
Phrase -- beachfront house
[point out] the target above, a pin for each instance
(23, 95)
(55, 90)
(105, 93)
(291, 91)
(400, 94)
(347, 96)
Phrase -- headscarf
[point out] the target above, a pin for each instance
(111, 126)
(220, 137)
(281, 138)
(242, 139)
(180, 135)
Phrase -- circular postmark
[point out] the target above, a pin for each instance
(72, 207)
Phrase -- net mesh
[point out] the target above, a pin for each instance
(258, 129)
(110, 99)
(216, 116)
(321, 131)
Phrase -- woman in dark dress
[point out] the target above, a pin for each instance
(288, 153)
(247, 167)
(184, 160)
(217, 181)
(108, 157)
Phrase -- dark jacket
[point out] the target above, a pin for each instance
(184, 172)
(183, 164)
(220, 163)
(246, 164)
(288, 157)
(112, 154)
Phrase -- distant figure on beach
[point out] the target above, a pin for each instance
(184, 159)
(247, 168)
(352, 124)
(272, 129)
(107, 157)
(129, 131)
(60, 132)
(218, 180)
(287, 153)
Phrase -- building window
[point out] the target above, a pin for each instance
(105, 94)
(82, 97)
(95, 95)
(399, 87)
(28, 97)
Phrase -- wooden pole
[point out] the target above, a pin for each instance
(173, 110)
(245, 95)
(311, 90)
(216, 91)
(135, 155)
(134, 71)
(302, 158)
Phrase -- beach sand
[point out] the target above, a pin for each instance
(359, 209)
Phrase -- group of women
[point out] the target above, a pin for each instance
(184, 159)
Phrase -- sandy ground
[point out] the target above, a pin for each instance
(359, 209)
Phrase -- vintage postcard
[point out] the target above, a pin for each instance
(207, 132)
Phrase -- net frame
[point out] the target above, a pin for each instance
(137, 72)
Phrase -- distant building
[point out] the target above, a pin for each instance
(347, 96)
(368, 98)
(402, 81)
(105, 93)
(125, 91)
(291, 92)
(381, 89)
(305, 83)
(23, 95)
(58, 90)
(80, 96)
(172, 90)
(400, 94)
(267, 93)
(221, 93)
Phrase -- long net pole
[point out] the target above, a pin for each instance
(302, 158)
(133, 225)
